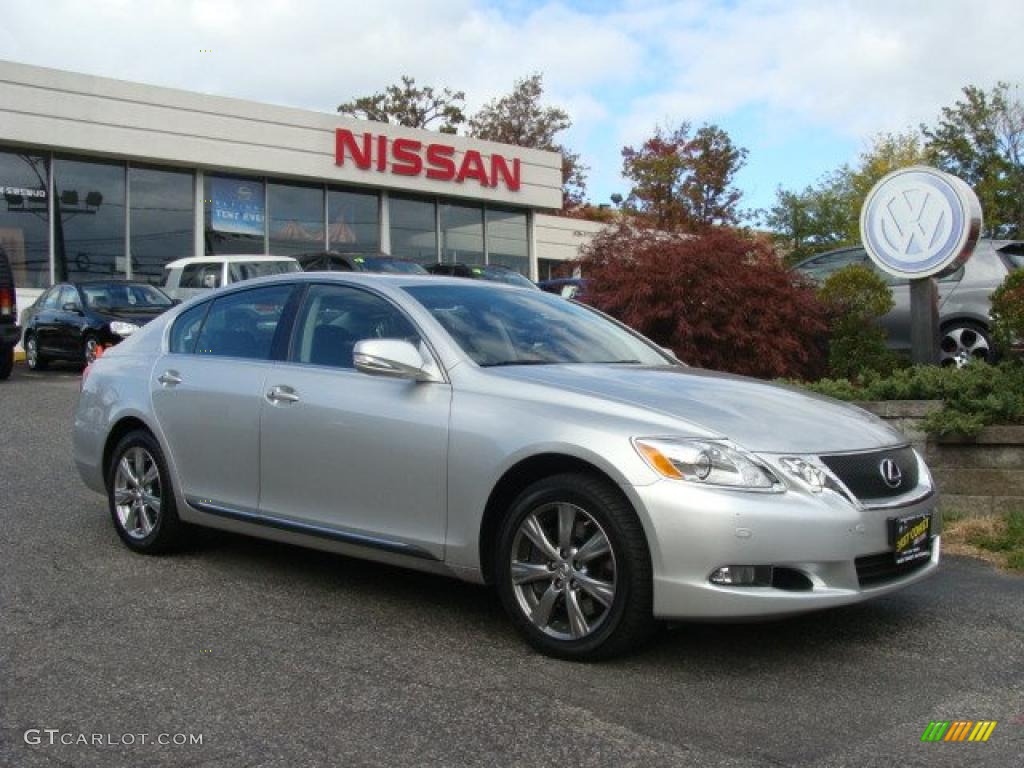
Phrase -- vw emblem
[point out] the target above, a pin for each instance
(891, 473)
(918, 222)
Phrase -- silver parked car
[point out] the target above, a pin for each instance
(506, 436)
(963, 297)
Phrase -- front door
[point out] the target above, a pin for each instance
(361, 458)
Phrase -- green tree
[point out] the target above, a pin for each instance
(411, 106)
(981, 139)
(521, 119)
(683, 181)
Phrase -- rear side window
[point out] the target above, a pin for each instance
(201, 276)
(243, 324)
(185, 331)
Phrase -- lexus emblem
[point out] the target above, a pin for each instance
(891, 473)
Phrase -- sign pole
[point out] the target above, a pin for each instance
(924, 321)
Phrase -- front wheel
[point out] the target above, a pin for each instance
(573, 569)
(90, 349)
(140, 496)
(35, 360)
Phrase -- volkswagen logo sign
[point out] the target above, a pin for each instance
(920, 222)
(891, 473)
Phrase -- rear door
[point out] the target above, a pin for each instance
(207, 393)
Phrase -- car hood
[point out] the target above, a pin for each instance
(763, 417)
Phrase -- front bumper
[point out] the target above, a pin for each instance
(692, 531)
(10, 334)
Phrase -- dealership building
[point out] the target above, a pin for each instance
(105, 178)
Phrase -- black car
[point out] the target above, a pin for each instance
(495, 272)
(333, 261)
(73, 321)
(10, 333)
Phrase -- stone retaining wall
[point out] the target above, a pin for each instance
(982, 475)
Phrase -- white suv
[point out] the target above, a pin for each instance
(188, 277)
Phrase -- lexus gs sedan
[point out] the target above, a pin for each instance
(502, 436)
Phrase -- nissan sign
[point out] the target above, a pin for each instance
(919, 222)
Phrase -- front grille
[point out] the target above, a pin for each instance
(873, 570)
(862, 472)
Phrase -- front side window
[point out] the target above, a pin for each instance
(51, 299)
(69, 295)
(334, 318)
(243, 324)
(185, 332)
(495, 326)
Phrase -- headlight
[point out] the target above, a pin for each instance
(123, 329)
(707, 462)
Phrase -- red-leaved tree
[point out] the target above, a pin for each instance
(720, 299)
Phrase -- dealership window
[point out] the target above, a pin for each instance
(233, 215)
(413, 228)
(296, 218)
(353, 221)
(462, 233)
(24, 217)
(507, 239)
(162, 220)
(89, 225)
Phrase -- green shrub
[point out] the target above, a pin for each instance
(1008, 311)
(856, 297)
(973, 396)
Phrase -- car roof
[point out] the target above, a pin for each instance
(221, 259)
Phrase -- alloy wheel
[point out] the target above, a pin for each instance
(32, 352)
(137, 492)
(563, 571)
(962, 344)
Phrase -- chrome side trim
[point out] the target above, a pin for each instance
(211, 507)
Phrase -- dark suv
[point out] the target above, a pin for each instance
(10, 333)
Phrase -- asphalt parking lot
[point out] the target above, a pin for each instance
(284, 657)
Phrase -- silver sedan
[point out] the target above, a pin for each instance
(501, 436)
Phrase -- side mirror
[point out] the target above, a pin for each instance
(71, 307)
(394, 358)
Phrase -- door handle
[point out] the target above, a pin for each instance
(282, 394)
(169, 378)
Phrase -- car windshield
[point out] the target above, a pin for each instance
(501, 327)
(379, 264)
(124, 297)
(247, 270)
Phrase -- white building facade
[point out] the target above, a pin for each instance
(105, 178)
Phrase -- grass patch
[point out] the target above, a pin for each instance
(997, 539)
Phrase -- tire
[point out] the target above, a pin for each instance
(145, 514)
(964, 340)
(552, 584)
(90, 345)
(33, 357)
(6, 362)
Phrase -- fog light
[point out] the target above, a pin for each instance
(743, 576)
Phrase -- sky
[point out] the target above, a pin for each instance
(802, 84)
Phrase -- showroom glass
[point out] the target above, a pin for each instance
(353, 221)
(413, 228)
(24, 217)
(233, 215)
(124, 296)
(462, 233)
(185, 331)
(496, 326)
(162, 207)
(507, 239)
(335, 317)
(89, 229)
(296, 218)
(243, 324)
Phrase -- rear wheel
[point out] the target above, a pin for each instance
(963, 341)
(574, 570)
(140, 496)
(33, 357)
(6, 362)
